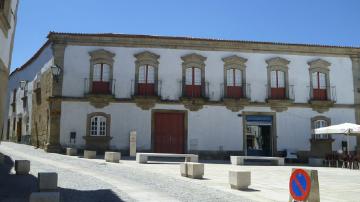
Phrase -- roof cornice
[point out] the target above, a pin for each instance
(128, 40)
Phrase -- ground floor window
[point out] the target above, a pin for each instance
(98, 126)
(319, 124)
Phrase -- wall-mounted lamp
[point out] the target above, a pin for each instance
(56, 71)
(23, 84)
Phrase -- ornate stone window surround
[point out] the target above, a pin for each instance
(194, 60)
(146, 58)
(5, 17)
(94, 114)
(100, 56)
(320, 66)
(278, 64)
(98, 142)
(234, 62)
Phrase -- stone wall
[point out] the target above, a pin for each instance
(3, 92)
(40, 111)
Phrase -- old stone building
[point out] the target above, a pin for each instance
(212, 97)
(8, 10)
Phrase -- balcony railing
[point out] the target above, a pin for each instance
(238, 91)
(326, 93)
(146, 89)
(280, 93)
(99, 87)
(196, 90)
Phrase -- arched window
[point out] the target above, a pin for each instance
(98, 126)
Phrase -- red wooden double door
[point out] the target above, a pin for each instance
(169, 132)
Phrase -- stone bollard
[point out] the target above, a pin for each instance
(183, 169)
(71, 151)
(22, 167)
(89, 154)
(47, 182)
(239, 179)
(2, 158)
(45, 197)
(192, 170)
(113, 157)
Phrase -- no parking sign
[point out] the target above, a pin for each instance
(304, 185)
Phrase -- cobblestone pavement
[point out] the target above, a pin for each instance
(94, 180)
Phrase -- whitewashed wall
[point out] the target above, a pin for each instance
(212, 128)
(77, 67)
(294, 127)
(30, 73)
(5, 41)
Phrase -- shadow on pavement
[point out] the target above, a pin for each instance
(17, 188)
(106, 195)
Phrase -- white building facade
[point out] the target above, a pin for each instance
(8, 10)
(181, 95)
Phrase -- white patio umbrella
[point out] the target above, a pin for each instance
(344, 128)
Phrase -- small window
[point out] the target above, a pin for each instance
(320, 124)
(98, 126)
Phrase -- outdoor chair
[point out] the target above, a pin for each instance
(332, 159)
(356, 162)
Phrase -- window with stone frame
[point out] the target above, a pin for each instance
(234, 77)
(98, 126)
(146, 74)
(319, 79)
(193, 76)
(101, 72)
(278, 85)
(319, 122)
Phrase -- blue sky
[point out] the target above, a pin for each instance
(332, 22)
